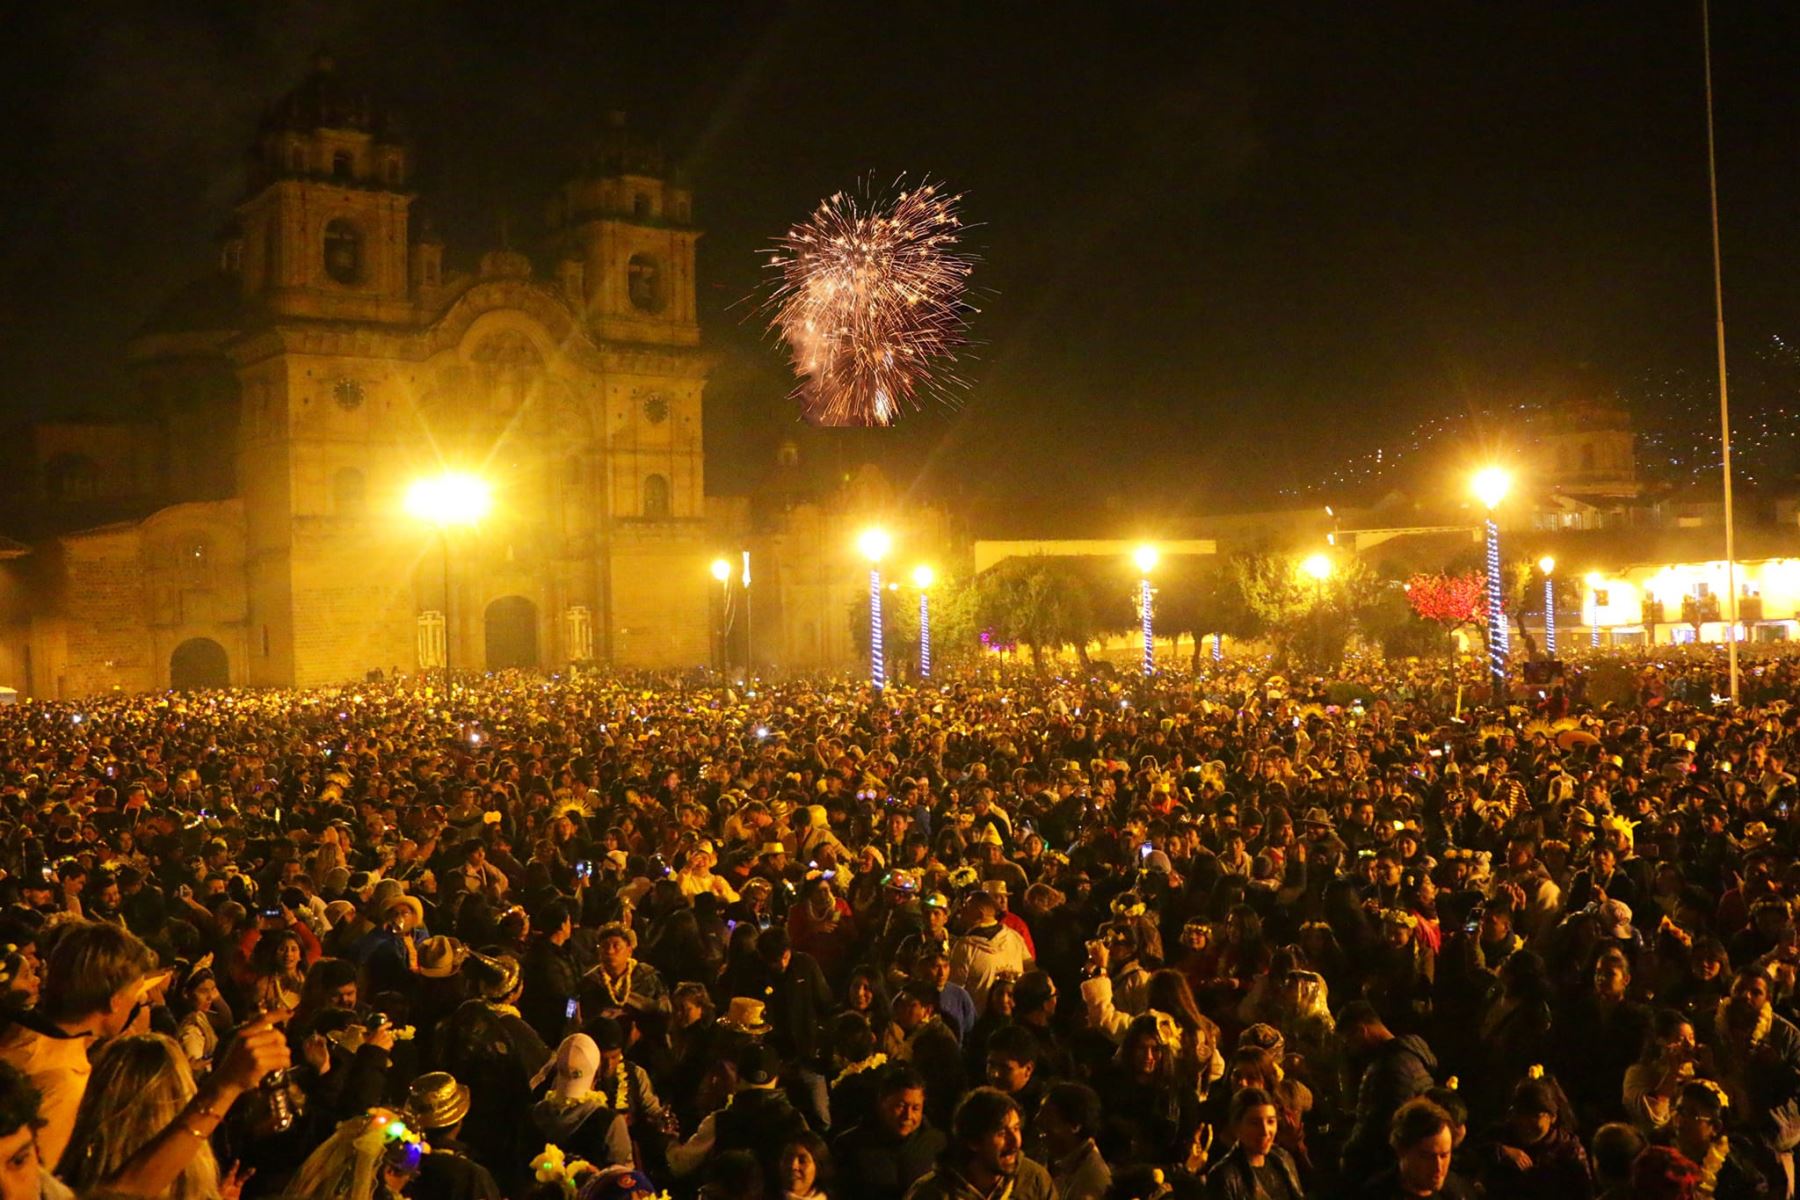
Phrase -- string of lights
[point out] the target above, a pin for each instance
(877, 659)
(924, 634)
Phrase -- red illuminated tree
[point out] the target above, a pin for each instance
(1453, 601)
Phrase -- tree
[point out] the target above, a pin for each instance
(955, 629)
(1039, 601)
(1453, 601)
(1302, 617)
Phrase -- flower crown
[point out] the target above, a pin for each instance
(552, 1166)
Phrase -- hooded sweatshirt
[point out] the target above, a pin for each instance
(584, 1128)
(978, 958)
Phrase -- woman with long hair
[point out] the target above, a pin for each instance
(1138, 1083)
(278, 972)
(1197, 1051)
(139, 1085)
(867, 994)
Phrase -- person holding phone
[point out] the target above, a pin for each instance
(552, 976)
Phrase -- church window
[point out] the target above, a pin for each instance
(340, 165)
(640, 206)
(644, 280)
(656, 497)
(343, 251)
(72, 478)
(349, 492)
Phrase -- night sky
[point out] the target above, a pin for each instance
(1222, 246)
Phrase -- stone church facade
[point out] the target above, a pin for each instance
(285, 405)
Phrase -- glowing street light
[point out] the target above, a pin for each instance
(452, 498)
(923, 578)
(448, 500)
(1594, 580)
(1547, 564)
(1318, 567)
(1490, 486)
(1145, 558)
(874, 544)
(721, 571)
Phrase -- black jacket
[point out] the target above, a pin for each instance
(873, 1163)
(551, 980)
(759, 1120)
(1232, 1177)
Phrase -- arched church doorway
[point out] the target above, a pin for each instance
(199, 663)
(511, 633)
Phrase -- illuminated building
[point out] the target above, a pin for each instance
(248, 529)
(1684, 602)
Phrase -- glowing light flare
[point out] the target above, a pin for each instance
(923, 577)
(721, 569)
(869, 297)
(1546, 564)
(1316, 567)
(874, 544)
(1145, 559)
(1490, 486)
(452, 498)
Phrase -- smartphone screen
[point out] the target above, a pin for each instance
(569, 1009)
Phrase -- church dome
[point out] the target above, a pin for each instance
(323, 100)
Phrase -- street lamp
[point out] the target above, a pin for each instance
(1146, 558)
(749, 629)
(1594, 580)
(874, 545)
(1490, 486)
(721, 571)
(449, 499)
(923, 578)
(1318, 566)
(1547, 564)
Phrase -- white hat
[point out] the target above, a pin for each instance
(571, 1071)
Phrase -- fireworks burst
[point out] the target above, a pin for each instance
(869, 298)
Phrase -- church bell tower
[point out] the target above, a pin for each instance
(324, 227)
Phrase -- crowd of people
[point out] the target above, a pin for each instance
(1001, 937)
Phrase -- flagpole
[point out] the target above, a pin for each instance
(1712, 183)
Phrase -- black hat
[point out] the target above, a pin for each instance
(758, 1065)
(607, 1033)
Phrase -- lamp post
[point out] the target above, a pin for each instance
(1593, 582)
(749, 629)
(449, 499)
(1145, 557)
(1317, 567)
(1490, 486)
(721, 571)
(1547, 564)
(923, 578)
(875, 544)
